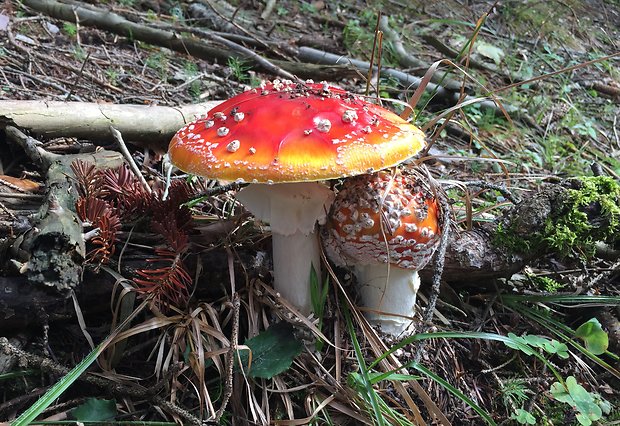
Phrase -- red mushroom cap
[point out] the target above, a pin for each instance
(289, 132)
(383, 218)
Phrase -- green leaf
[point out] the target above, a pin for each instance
(559, 393)
(523, 417)
(594, 336)
(519, 343)
(489, 51)
(95, 410)
(551, 346)
(584, 400)
(585, 403)
(273, 351)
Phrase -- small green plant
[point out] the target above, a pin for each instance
(79, 53)
(523, 417)
(158, 62)
(306, 7)
(239, 69)
(589, 406)
(318, 298)
(112, 75)
(515, 391)
(70, 28)
(551, 346)
(546, 284)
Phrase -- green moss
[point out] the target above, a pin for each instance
(547, 284)
(505, 237)
(590, 213)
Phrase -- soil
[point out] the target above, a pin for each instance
(175, 363)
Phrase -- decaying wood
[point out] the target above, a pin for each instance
(151, 126)
(55, 245)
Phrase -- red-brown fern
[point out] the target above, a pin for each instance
(102, 216)
(111, 197)
(172, 220)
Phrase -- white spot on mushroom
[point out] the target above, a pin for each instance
(220, 116)
(232, 146)
(368, 223)
(191, 127)
(307, 132)
(238, 116)
(209, 124)
(323, 125)
(222, 131)
(411, 227)
(349, 116)
(340, 216)
(252, 150)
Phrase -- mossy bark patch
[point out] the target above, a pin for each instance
(567, 219)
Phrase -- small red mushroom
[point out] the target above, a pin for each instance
(387, 227)
(283, 137)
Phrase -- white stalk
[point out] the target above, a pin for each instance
(292, 210)
(389, 296)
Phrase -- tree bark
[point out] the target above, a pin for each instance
(149, 126)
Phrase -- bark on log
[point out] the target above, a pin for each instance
(151, 126)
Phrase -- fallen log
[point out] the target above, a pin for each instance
(150, 126)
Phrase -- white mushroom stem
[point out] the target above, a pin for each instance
(292, 210)
(388, 295)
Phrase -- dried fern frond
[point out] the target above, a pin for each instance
(104, 218)
(169, 284)
(122, 188)
(87, 177)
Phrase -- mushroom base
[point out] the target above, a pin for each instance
(388, 296)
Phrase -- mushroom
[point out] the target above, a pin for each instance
(283, 138)
(387, 227)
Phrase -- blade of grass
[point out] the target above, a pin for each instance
(63, 384)
(585, 300)
(362, 369)
(564, 333)
(470, 335)
(453, 391)
(59, 388)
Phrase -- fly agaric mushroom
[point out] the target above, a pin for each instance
(283, 138)
(386, 227)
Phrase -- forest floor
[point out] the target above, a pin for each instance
(175, 365)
